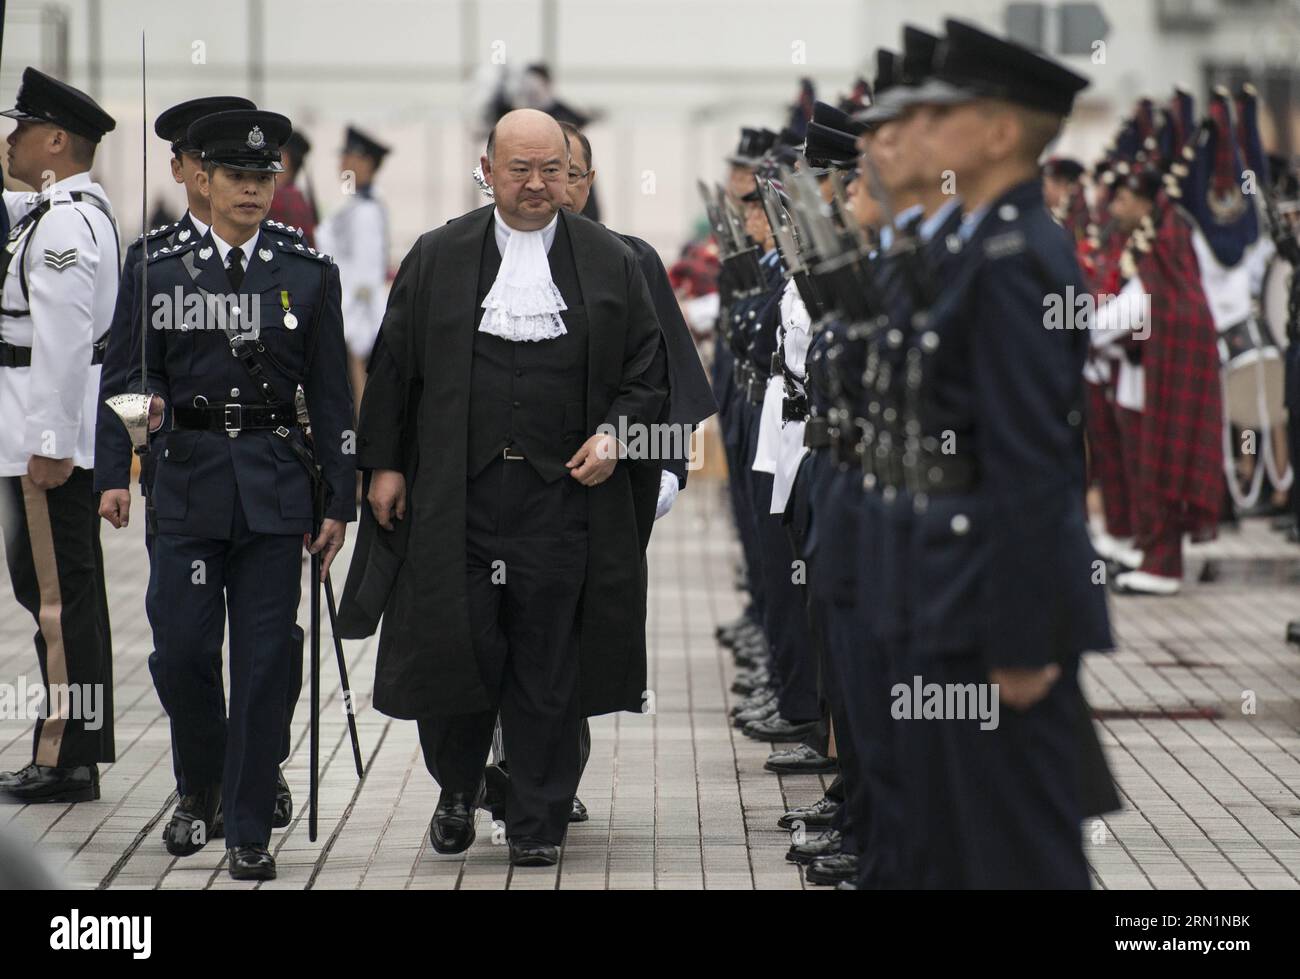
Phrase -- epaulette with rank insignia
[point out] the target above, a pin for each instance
(296, 247)
(282, 228)
(160, 231)
(170, 251)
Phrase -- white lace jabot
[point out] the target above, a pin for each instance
(523, 303)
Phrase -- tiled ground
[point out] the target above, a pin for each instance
(678, 799)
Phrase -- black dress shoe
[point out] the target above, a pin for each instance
(759, 713)
(800, 760)
(823, 845)
(726, 632)
(533, 853)
(833, 868)
(452, 828)
(820, 813)
(43, 783)
(196, 820)
(756, 699)
(750, 681)
(578, 814)
(253, 862)
(777, 728)
(282, 815)
(751, 658)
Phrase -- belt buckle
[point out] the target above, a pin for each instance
(233, 427)
(511, 454)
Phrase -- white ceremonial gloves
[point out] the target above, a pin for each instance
(668, 489)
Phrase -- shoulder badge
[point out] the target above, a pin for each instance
(170, 251)
(159, 231)
(1003, 245)
(282, 228)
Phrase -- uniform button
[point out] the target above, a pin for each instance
(234, 392)
(519, 373)
(954, 243)
(1074, 418)
(516, 404)
(1008, 212)
(960, 524)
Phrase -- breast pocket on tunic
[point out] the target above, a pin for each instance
(171, 483)
(284, 331)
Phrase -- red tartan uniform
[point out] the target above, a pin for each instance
(1180, 449)
(289, 206)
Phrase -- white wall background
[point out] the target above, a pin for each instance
(672, 79)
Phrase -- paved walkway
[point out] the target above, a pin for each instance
(678, 798)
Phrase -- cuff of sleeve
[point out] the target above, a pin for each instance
(50, 440)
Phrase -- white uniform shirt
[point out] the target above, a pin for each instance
(356, 237)
(72, 263)
(780, 444)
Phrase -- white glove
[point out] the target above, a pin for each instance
(668, 488)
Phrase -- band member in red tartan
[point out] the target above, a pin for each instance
(1113, 431)
(1065, 197)
(1180, 449)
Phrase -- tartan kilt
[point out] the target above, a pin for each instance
(1180, 462)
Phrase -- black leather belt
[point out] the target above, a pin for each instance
(817, 433)
(15, 356)
(234, 418)
(936, 474)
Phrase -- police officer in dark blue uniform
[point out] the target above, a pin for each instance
(233, 492)
(112, 443)
(794, 713)
(981, 519)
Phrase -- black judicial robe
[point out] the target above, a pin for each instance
(690, 398)
(414, 418)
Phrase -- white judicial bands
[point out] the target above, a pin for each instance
(102, 932)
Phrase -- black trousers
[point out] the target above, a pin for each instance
(526, 547)
(785, 613)
(739, 458)
(57, 571)
(296, 639)
(195, 582)
(993, 809)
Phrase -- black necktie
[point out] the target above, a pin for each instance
(235, 267)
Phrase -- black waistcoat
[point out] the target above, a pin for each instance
(530, 395)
